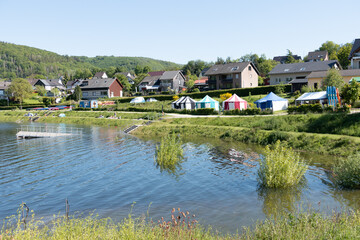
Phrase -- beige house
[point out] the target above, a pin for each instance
(355, 54)
(317, 56)
(286, 73)
(232, 75)
(314, 79)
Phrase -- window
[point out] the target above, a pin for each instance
(315, 85)
(234, 68)
(249, 68)
(94, 93)
(302, 69)
(103, 93)
(286, 70)
(85, 94)
(236, 76)
(250, 84)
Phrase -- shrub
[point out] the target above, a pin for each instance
(347, 172)
(279, 89)
(248, 111)
(176, 97)
(151, 93)
(281, 167)
(165, 92)
(196, 90)
(225, 96)
(204, 111)
(169, 153)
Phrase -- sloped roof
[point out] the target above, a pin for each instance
(299, 80)
(312, 96)
(32, 81)
(304, 67)
(282, 59)
(158, 73)
(169, 75)
(4, 85)
(355, 48)
(126, 74)
(98, 83)
(344, 73)
(317, 55)
(271, 97)
(99, 74)
(149, 80)
(207, 99)
(179, 100)
(229, 68)
(235, 98)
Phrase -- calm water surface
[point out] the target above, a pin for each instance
(107, 171)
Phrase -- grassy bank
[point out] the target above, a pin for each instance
(319, 143)
(301, 226)
(341, 124)
(81, 118)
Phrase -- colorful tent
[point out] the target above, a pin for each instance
(273, 102)
(208, 102)
(176, 104)
(234, 102)
(187, 103)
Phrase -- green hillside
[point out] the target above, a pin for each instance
(24, 61)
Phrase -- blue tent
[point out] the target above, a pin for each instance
(272, 101)
(208, 102)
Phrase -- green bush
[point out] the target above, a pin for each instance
(281, 167)
(347, 172)
(169, 153)
(248, 111)
(317, 108)
(48, 101)
(151, 93)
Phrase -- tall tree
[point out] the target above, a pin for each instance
(331, 48)
(351, 92)
(77, 95)
(124, 81)
(343, 55)
(333, 78)
(40, 90)
(290, 58)
(146, 69)
(20, 89)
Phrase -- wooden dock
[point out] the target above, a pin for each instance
(25, 134)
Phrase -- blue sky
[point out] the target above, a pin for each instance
(178, 31)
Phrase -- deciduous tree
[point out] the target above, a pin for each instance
(333, 78)
(351, 92)
(20, 89)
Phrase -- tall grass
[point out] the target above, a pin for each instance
(169, 154)
(347, 172)
(281, 167)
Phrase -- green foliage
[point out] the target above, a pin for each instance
(281, 167)
(40, 90)
(169, 154)
(55, 91)
(332, 49)
(307, 108)
(290, 58)
(48, 101)
(23, 61)
(351, 92)
(333, 78)
(195, 67)
(77, 95)
(124, 81)
(347, 172)
(280, 88)
(343, 55)
(20, 89)
(248, 111)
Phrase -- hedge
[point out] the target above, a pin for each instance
(242, 92)
(249, 111)
(316, 108)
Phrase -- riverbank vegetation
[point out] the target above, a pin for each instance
(347, 172)
(182, 225)
(169, 153)
(281, 167)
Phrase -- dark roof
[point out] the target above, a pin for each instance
(149, 80)
(99, 74)
(228, 68)
(282, 59)
(50, 82)
(158, 73)
(355, 47)
(98, 83)
(317, 55)
(344, 73)
(299, 80)
(170, 75)
(304, 67)
(32, 81)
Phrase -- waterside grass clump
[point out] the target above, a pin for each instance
(169, 153)
(281, 167)
(347, 172)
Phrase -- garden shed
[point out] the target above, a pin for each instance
(208, 102)
(234, 102)
(272, 101)
(188, 103)
(176, 104)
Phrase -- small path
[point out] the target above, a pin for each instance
(176, 115)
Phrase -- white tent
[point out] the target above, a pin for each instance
(137, 100)
(312, 96)
(188, 103)
(176, 104)
(151, 100)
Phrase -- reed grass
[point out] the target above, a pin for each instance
(169, 154)
(281, 167)
(347, 172)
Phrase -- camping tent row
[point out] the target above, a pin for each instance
(273, 102)
(234, 102)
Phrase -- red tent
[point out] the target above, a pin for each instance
(234, 102)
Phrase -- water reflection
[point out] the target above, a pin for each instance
(277, 202)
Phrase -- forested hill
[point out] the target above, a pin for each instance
(24, 61)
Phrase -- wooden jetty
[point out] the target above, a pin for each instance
(45, 132)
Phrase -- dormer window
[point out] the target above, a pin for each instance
(234, 68)
(286, 70)
(302, 69)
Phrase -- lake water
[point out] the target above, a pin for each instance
(107, 171)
